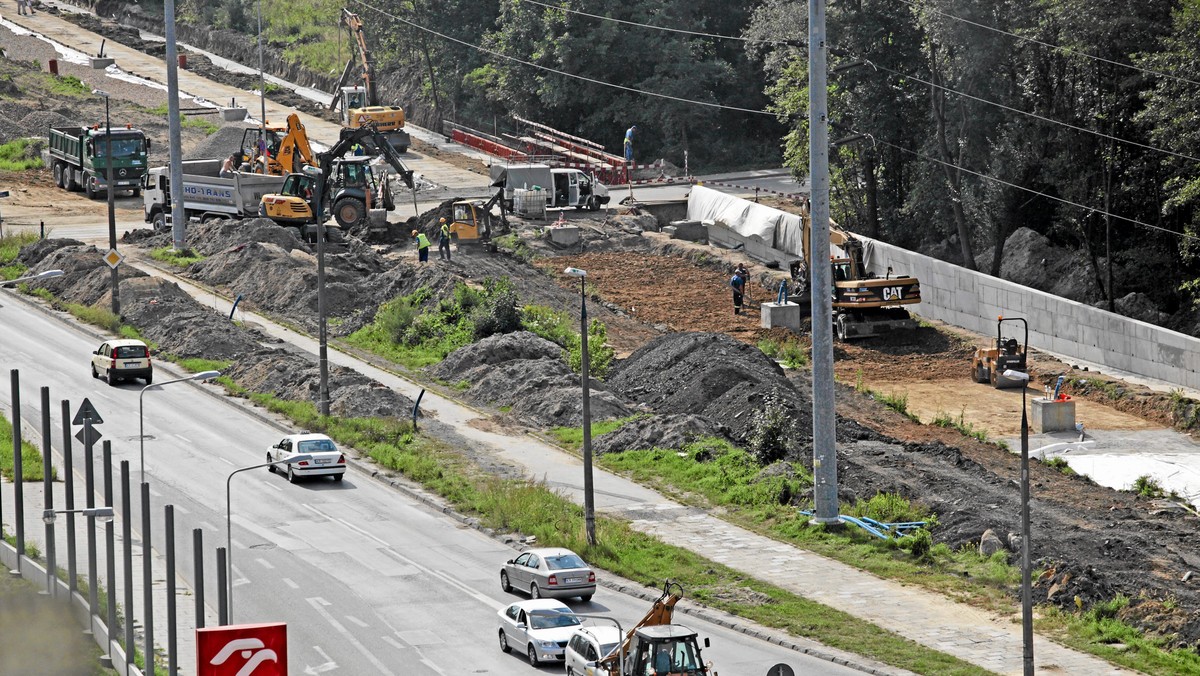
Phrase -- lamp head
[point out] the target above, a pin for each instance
(206, 375)
(100, 92)
(303, 457)
(49, 516)
(575, 272)
(46, 274)
(101, 514)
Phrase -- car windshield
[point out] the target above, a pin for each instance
(608, 648)
(121, 147)
(553, 620)
(315, 446)
(564, 561)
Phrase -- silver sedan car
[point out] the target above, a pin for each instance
(549, 572)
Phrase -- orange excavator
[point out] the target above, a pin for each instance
(360, 103)
(287, 149)
(656, 646)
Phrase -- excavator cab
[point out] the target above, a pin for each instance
(1007, 354)
(665, 650)
(471, 224)
(286, 148)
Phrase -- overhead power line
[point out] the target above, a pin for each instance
(563, 73)
(1059, 48)
(1038, 193)
(660, 28)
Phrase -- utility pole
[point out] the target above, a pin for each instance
(174, 133)
(825, 497)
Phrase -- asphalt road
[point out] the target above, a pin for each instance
(368, 580)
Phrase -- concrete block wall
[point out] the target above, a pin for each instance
(973, 300)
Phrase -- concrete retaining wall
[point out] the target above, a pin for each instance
(973, 300)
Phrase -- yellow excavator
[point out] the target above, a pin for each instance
(656, 646)
(275, 150)
(864, 304)
(360, 103)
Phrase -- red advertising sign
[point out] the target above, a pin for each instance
(242, 650)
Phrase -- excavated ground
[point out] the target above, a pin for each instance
(691, 370)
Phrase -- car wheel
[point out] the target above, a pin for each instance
(89, 187)
(292, 475)
(504, 647)
(112, 380)
(585, 598)
(159, 223)
(535, 592)
(69, 181)
(532, 652)
(58, 174)
(150, 379)
(94, 374)
(339, 477)
(270, 468)
(570, 671)
(504, 583)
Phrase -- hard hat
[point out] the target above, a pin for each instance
(414, 233)
(441, 220)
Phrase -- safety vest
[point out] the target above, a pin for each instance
(446, 230)
(422, 241)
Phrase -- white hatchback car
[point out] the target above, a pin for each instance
(587, 646)
(123, 359)
(541, 627)
(326, 460)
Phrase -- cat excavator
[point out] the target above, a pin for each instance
(656, 646)
(864, 304)
(359, 104)
(348, 186)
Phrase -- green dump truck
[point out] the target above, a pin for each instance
(77, 159)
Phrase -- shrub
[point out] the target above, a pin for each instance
(600, 354)
(497, 313)
(773, 431)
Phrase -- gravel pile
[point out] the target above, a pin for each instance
(660, 431)
(709, 375)
(527, 373)
(297, 377)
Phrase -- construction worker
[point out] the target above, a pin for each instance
(738, 284)
(629, 144)
(422, 245)
(444, 240)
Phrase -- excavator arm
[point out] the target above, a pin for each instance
(354, 25)
(660, 613)
(295, 146)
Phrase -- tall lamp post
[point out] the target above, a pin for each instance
(203, 375)
(262, 89)
(1026, 542)
(32, 278)
(322, 335)
(112, 213)
(303, 457)
(589, 499)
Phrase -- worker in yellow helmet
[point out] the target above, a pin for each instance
(444, 240)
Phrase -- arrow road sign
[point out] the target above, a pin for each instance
(84, 440)
(87, 411)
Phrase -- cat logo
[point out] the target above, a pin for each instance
(893, 293)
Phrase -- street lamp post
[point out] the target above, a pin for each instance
(1026, 542)
(203, 375)
(112, 212)
(322, 333)
(32, 278)
(49, 516)
(589, 500)
(229, 515)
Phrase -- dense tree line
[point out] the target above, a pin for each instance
(955, 122)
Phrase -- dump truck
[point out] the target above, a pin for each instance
(206, 194)
(77, 157)
(563, 187)
(657, 646)
(990, 363)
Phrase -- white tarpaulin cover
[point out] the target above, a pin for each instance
(777, 229)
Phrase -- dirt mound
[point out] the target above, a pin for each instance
(710, 375)
(38, 122)
(168, 316)
(226, 141)
(527, 373)
(86, 278)
(665, 431)
(298, 378)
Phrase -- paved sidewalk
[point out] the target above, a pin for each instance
(980, 638)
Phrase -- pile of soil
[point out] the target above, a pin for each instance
(179, 326)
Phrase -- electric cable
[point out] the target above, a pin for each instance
(660, 28)
(563, 73)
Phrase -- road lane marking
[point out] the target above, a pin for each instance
(317, 604)
(265, 564)
(240, 578)
(394, 643)
(181, 509)
(288, 581)
(354, 620)
(207, 526)
(272, 486)
(185, 439)
(479, 596)
(329, 664)
(225, 461)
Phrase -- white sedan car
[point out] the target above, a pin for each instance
(326, 460)
(541, 627)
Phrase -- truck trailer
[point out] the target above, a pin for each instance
(206, 195)
(78, 158)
